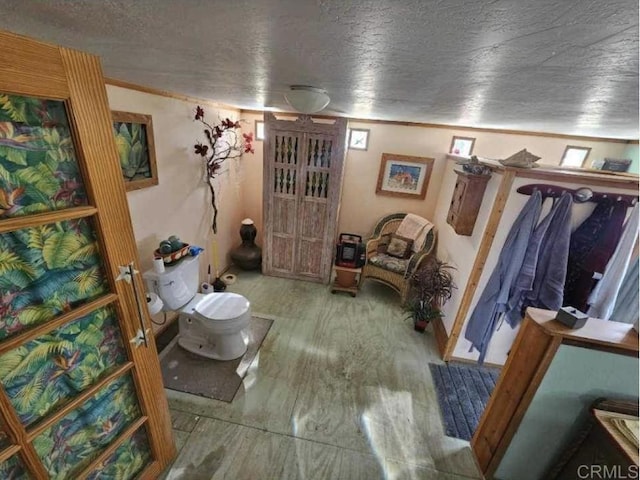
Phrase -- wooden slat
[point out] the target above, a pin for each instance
(532, 352)
(441, 335)
(151, 472)
(18, 223)
(453, 127)
(584, 178)
(92, 125)
(9, 452)
(77, 401)
(481, 258)
(57, 322)
(17, 433)
(113, 446)
(32, 68)
(165, 93)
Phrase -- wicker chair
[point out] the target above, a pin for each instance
(393, 272)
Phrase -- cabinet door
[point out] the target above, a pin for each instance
(282, 185)
(313, 213)
(81, 392)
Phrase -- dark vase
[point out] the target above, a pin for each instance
(248, 256)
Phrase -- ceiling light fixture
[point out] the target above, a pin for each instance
(305, 99)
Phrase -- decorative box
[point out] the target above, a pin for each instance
(170, 258)
(572, 317)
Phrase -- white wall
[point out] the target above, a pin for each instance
(460, 250)
(503, 338)
(179, 204)
(361, 207)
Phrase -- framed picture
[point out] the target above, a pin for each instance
(358, 139)
(404, 176)
(462, 146)
(616, 164)
(134, 140)
(574, 156)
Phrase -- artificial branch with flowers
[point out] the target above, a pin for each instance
(223, 143)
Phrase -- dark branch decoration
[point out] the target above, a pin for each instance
(223, 143)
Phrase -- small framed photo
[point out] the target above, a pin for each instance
(462, 146)
(259, 130)
(358, 139)
(134, 140)
(574, 156)
(616, 164)
(404, 176)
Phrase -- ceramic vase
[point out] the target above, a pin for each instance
(248, 256)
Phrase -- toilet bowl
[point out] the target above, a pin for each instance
(212, 325)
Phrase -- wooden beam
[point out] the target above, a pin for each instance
(481, 258)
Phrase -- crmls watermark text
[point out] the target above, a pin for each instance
(607, 472)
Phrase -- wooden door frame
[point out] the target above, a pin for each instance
(32, 68)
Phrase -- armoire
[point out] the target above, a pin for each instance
(303, 168)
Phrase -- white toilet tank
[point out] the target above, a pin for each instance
(177, 285)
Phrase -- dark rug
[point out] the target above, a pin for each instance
(463, 392)
(190, 373)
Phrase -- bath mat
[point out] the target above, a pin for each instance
(463, 392)
(190, 373)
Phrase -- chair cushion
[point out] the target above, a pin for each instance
(393, 264)
(399, 247)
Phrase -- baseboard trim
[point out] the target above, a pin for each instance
(441, 336)
(475, 362)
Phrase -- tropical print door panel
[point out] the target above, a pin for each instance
(71, 444)
(44, 373)
(13, 469)
(47, 270)
(127, 461)
(38, 165)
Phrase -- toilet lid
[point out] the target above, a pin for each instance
(222, 306)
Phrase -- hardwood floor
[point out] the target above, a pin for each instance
(340, 389)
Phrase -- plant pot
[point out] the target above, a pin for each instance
(420, 325)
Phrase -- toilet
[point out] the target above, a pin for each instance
(212, 325)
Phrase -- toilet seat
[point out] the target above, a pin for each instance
(220, 307)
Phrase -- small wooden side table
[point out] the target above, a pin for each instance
(347, 280)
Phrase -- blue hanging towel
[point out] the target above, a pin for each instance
(551, 272)
(493, 301)
(546, 255)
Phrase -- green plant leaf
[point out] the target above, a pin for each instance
(14, 155)
(58, 248)
(9, 261)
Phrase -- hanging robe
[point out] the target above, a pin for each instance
(549, 243)
(626, 307)
(493, 300)
(604, 295)
(592, 244)
(551, 269)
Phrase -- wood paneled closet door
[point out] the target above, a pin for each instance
(81, 392)
(303, 167)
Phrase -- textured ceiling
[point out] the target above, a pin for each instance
(548, 65)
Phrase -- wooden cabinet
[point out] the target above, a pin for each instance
(466, 201)
(303, 166)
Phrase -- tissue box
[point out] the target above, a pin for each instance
(572, 317)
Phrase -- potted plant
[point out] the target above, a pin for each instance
(430, 288)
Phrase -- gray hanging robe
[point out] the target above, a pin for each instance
(537, 249)
(493, 301)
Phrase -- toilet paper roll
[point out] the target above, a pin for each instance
(229, 279)
(206, 288)
(158, 265)
(154, 303)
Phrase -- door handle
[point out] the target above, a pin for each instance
(128, 274)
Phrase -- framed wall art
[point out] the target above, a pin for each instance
(404, 176)
(136, 150)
